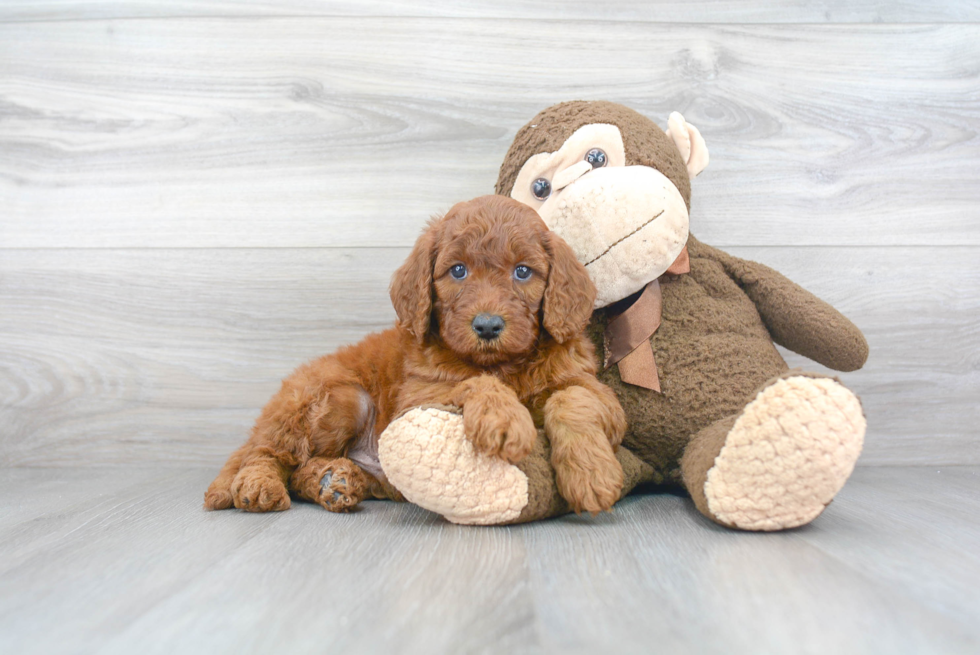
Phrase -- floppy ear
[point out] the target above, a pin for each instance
(570, 294)
(411, 286)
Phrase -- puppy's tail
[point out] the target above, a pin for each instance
(218, 495)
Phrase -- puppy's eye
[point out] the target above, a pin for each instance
(458, 271)
(596, 157)
(522, 272)
(541, 188)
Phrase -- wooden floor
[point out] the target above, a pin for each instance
(126, 561)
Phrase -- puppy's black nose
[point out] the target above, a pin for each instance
(488, 326)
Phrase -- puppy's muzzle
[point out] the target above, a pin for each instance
(488, 326)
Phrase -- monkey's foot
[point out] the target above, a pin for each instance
(427, 457)
(786, 456)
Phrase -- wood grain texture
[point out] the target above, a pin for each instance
(33, 499)
(142, 568)
(196, 200)
(106, 348)
(888, 538)
(920, 311)
(130, 356)
(697, 11)
(330, 132)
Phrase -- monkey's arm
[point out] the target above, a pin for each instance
(795, 318)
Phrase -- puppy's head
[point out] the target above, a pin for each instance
(486, 277)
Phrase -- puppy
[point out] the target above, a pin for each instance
(491, 311)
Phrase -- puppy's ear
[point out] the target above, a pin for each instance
(570, 294)
(411, 285)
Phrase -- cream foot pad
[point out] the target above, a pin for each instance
(787, 455)
(425, 454)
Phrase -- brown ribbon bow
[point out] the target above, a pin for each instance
(628, 333)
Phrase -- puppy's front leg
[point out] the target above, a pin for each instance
(494, 419)
(584, 425)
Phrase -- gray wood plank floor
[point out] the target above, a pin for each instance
(124, 560)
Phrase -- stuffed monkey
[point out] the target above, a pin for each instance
(686, 334)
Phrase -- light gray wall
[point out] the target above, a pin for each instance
(197, 197)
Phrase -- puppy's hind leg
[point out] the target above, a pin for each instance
(280, 440)
(344, 416)
(260, 485)
(336, 484)
(218, 495)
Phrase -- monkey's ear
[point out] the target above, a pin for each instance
(411, 286)
(689, 141)
(570, 294)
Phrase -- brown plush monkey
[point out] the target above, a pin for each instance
(687, 335)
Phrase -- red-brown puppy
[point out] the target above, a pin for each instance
(491, 311)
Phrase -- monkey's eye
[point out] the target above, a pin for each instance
(541, 188)
(458, 272)
(522, 272)
(596, 157)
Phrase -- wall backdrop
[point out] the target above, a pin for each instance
(197, 197)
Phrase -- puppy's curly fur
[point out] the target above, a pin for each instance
(491, 257)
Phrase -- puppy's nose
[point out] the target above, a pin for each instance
(488, 326)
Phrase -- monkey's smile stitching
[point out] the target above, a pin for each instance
(619, 241)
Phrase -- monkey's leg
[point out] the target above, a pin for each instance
(427, 457)
(778, 463)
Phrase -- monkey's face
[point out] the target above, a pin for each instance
(626, 220)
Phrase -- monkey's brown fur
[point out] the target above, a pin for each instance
(540, 371)
(714, 349)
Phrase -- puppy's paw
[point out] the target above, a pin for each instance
(257, 490)
(590, 479)
(342, 486)
(616, 428)
(218, 499)
(502, 429)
